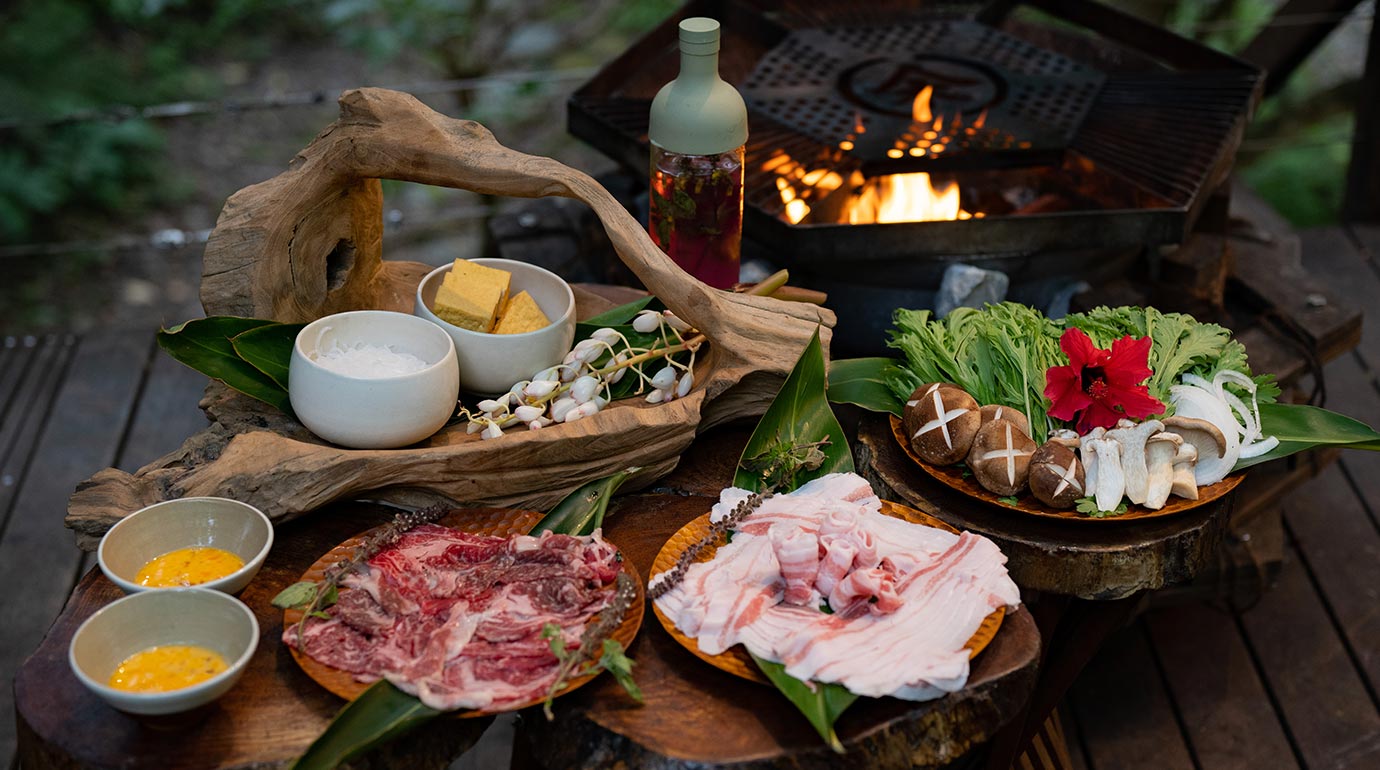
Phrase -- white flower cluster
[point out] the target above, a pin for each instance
(580, 385)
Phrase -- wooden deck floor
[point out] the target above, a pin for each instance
(1290, 681)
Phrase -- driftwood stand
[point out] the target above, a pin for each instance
(308, 243)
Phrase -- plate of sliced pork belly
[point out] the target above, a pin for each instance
(837, 585)
(454, 612)
(1008, 470)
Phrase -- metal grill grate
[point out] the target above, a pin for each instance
(989, 99)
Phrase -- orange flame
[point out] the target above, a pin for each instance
(920, 108)
(799, 187)
(905, 198)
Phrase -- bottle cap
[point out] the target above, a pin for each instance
(699, 36)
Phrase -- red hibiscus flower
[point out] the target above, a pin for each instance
(1099, 387)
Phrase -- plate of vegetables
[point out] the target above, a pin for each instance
(1119, 413)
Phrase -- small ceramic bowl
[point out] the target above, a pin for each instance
(491, 363)
(209, 619)
(164, 527)
(374, 412)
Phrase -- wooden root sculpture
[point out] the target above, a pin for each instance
(308, 243)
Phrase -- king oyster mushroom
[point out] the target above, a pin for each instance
(1160, 451)
(1056, 476)
(1000, 458)
(947, 419)
(1185, 485)
(1089, 457)
(1209, 442)
(992, 412)
(1111, 482)
(1132, 438)
(1068, 438)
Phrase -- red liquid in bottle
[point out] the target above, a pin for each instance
(697, 212)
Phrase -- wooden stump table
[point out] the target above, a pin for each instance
(694, 714)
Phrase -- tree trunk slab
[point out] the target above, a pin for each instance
(1088, 560)
(308, 243)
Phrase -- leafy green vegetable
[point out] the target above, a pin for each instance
(1010, 500)
(998, 355)
(1179, 345)
(1089, 506)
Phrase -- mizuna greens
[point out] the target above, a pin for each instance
(1000, 354)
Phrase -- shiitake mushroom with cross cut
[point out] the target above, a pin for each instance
(941, 420)
(1057, 478)
(1000, 457)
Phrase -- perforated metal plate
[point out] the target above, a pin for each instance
(993, 99)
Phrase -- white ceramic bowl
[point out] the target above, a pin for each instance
(491, 363)
(374, 412)
(218, 522)
(137, 622)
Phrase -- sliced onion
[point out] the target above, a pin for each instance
(1194, 401)
(1260, 447)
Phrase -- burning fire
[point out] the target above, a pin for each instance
(905, 198)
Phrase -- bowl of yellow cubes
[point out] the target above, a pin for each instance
(509, 319)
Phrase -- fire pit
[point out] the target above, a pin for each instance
(1054, 140)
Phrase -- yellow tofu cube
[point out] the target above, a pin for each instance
(471, 295)
(521, 314)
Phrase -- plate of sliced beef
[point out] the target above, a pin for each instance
(454, 612)
(837, 585)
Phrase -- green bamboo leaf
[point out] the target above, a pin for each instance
(863, 382)
(798, 417)
(822, 705)
(582, 511)
(1300, 427)
(269, 349)
(380, 714)
(205, 345)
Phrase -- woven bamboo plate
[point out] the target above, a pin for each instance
(501, 522)
(736, 659)
(959, 478)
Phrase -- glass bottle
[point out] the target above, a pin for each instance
(698, 130)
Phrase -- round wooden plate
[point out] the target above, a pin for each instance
(736, 659)
(959, 478)
(502, 522)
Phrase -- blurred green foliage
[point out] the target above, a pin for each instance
(63, 57)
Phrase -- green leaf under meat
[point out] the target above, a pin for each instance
(799, 425)
(380, 714)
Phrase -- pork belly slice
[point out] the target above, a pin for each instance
(798, 554)
(919, 647)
